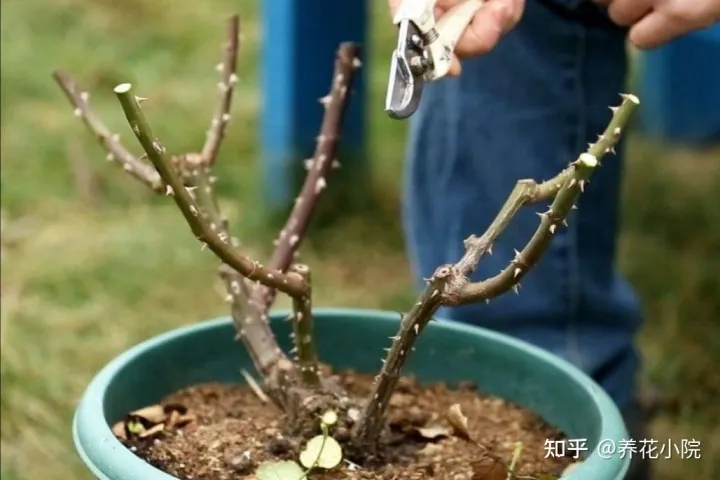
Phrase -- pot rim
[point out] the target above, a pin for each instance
(85, 429)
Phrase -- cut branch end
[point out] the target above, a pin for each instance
(588, 160)
(123, 88)
(302, 320)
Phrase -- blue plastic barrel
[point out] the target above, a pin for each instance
(300, 40)
(680, 88)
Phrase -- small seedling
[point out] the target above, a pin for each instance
(322, 451)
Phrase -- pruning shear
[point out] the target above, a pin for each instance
(424, 50)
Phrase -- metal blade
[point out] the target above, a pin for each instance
(405, 83)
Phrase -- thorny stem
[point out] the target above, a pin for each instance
(251, 325)
(197, 219)
(449, 285)
(302, 321)
(251, 322)
(228, 70)
(322, 163)
(249, 314)
(249, 319)
(462, 292)
(411, 325)
(569, 183)
(293, 232)
(528, 191)
(525, 192)
(111, 142)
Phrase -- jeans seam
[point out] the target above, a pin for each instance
(573, 272)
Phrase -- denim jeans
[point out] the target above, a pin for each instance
(524, 111)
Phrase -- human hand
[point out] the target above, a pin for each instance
(654, 22)
(492, 21)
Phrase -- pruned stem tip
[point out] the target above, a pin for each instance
(302, 322)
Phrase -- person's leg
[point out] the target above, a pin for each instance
(525, 111)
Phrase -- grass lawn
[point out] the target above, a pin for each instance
(93, 263)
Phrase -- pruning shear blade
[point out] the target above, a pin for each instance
(424, 50)
(405, 85)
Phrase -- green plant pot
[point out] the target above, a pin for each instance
(347, 339)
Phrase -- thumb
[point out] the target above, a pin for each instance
(491, 22)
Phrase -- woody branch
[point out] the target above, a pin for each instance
(302, 321)
(228, 72)
(199, 220)
(318, 167)
(250, 316)
(296, 226)
(110, 141)
(250, 320)
(295, 284)
(450, 284)
(251, 323)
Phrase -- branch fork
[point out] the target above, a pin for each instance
(450, 284)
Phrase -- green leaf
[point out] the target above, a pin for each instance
(282, 470)
(135, 427)
(323, 452)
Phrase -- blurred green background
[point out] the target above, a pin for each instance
(93, 263)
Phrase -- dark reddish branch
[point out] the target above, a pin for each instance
(115, 149)
(228, 70)
(291, 235)
(347, 61)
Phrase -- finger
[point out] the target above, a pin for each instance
(486, 28)
(517, 10)
(394, 4)
(628, 12)
(440, 6)
(656, 29)
(455, 67)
